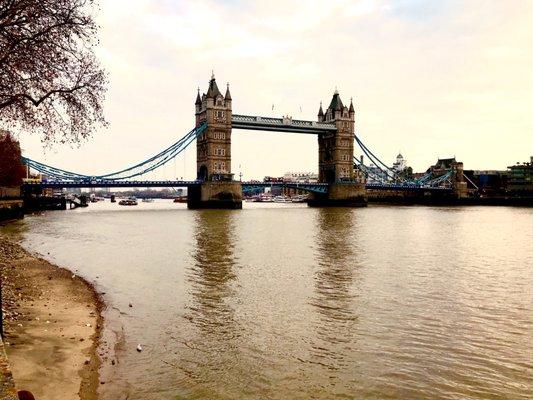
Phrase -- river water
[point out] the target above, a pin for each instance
(290, 302)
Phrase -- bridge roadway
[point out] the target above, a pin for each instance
(309, 187)
(280, 124)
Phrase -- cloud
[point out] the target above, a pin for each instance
(429, 78)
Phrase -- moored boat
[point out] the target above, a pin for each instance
(130, 201)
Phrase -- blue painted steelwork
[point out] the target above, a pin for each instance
(246, 186)
(103, 183)
(388, 172)
(407, 187)
(280, 124)
(59, 178)
(139, 169)
(306, 187)
(108, 184)
(425, 182)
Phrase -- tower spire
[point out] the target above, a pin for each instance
(213, 91)
(228, 94)
(198, 100)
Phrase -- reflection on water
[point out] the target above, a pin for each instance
(337, 266)
(211, 342)
(279, 302)
(211, 275)
(334, 298)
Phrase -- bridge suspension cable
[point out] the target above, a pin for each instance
(377, 162)
(425, 180)
(388, 172)
(141, 168)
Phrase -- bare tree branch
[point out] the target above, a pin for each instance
(50, 80)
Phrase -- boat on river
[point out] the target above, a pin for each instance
(281, 199)
(299, 199)
(130, 201)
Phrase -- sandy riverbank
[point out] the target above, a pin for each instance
(52, 326)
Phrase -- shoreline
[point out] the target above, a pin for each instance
(52, 325)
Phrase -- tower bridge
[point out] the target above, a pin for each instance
(215, 187)
(334, 129)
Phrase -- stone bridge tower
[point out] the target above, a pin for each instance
(213, 146)
(213, 153)
(335, 150)
(335, 157)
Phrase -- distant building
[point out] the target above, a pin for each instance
(488, 183)
(520, 179)
(400, 164)
(301, 177)
(442, 166)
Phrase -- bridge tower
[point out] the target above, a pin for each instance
(213, 152)
(335, 158)
(459, 184)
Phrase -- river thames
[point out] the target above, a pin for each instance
(290, 302)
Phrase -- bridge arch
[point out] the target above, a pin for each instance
(202, 173)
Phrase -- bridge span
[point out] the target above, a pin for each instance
(342, 178)
(246, 185)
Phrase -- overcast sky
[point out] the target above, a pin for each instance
(429, 78)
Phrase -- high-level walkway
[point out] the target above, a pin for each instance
(280, 124)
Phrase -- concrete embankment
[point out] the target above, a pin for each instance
(52, 326)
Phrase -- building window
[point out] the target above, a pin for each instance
(221, 115)
(220, 152)
(345, 157)
(219, 135)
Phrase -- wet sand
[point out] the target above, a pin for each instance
(52, 323)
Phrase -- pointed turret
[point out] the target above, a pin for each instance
(198, 99)
(228, 94)
(213, 91)
(336, 102)
(320, 113)
(351, 110)
(198, 102)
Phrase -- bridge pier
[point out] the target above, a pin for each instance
(226, 195)
(340, 195)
